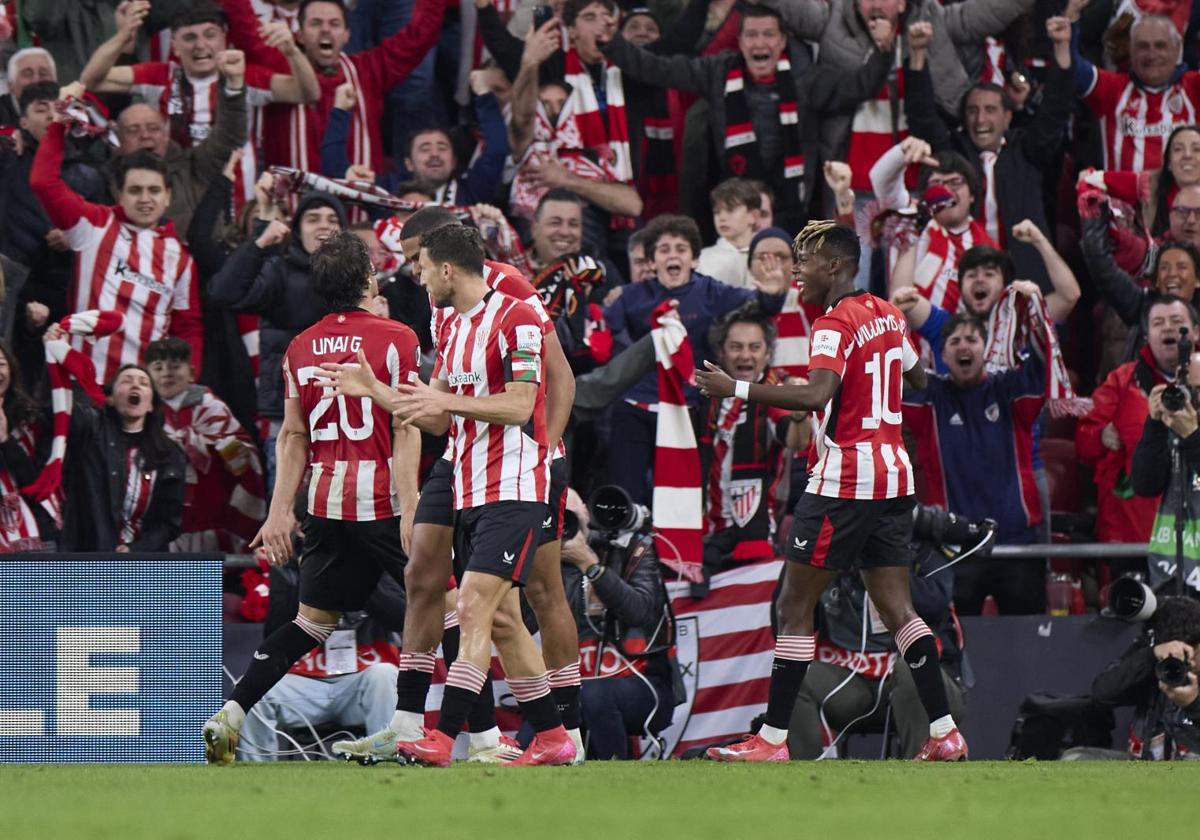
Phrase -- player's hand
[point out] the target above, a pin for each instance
(837, 175)
(275, 537)
(53, 333)
(73, 91)
(1058, 30)
(1026, 288)
(232, 64)
(714, 382)
(416, 401)
(905, 298)
(542, 43)
(883, 33)
(1110, 438)
(360, 172)
(345, 96)
(1026, 231)
(278, 35)
(129, 17)
(352, 379)
(919, 35)
(231, 165)
(770, 276)
(275, 233)
(406, 530)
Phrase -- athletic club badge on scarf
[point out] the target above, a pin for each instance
(1017, 320)
(678, 502)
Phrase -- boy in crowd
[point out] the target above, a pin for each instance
(736, 204)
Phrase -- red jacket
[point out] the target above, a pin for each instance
(1118, 400)
(292, 133)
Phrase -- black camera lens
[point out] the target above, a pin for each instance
(570, 525)
(1174, 398)
(1172, 671)
(611, 508)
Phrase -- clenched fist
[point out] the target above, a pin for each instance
(232, 64)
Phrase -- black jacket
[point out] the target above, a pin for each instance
(1019, 163)
(93, 474)
(275, 286)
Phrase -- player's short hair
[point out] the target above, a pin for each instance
(203, 11)
(426, 220)
(831, 238)
(672, 225)
(733, 192)
(37, 92)
(171, 349)
(341, 269)
(750, 312)
(753, 11)
(141, 160)
(1169, 300)
(303, 11)
(458, 245)
(985, 256)
(572, 8)
(960, 318)
(557, 194)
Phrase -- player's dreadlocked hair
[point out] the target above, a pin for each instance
(836, 240)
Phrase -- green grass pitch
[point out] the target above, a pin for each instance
(626, 801)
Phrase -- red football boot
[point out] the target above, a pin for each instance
(750, 748)
(950, 747)
(433, 750)
(552, 747)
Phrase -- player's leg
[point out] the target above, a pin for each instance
(529, 682)
(827, 697)
(294, 703)
(824, 538)
(908, 714)
(425, 586)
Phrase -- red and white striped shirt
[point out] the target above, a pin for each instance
(1137, 120)
(351, 440)
(499, 341)
(269, 12)
(18, 527)
(858, 450)
(190, 106)
(793, 326)
(146, 274)
(874, 130)
(938, 251)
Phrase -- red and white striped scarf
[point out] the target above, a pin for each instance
(18, 527)
(938, 253)
(678, 501)
(1016, 321)
(63, 363)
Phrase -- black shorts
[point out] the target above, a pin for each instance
(498, 539)
(848, 534)
(340, 561)
(552, 525)
(436, 505)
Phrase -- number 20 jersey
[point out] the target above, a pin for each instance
(350, 438)
(859, 450)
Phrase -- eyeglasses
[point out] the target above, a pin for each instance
(1186, 212)
(956, 182)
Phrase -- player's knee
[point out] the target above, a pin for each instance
(504, 628)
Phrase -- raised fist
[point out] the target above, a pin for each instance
(232, 64)
(1026, 231)
(278, 35)
(920, 35)
(837, 175)
(882, 33)
(345, 96)
(275, 233)
(1058, 30)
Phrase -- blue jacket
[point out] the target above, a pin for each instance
(478, 184)
(702, 300)
(975, 447)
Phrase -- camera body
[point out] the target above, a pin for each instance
(1173, 671)
(1176, 395)
(615, 517)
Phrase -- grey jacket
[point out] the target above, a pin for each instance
(845, 43)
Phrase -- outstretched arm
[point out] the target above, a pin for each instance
(291, 459)
(101, 74)
(1066, 292)
(814, 395)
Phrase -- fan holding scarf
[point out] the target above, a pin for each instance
(760, 111)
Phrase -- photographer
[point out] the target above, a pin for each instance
(1172, 414)
(858, 677)
(1157, 676)
(625, 627)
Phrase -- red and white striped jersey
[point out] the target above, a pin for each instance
(499, 341)
(938, 251)
(858, 450)
(793, 325)
(190, 106)
(268, 12)
(350, 440)
(1136, 121)
(874, 130)
(18, 527)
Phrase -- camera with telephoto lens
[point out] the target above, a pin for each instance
(935, 525)
(1175, 396)
(1130, 599)
(1173, 671)
(614, 513)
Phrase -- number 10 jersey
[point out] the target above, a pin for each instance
(859, 450)
(350, 439)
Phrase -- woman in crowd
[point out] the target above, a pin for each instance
(20, 527)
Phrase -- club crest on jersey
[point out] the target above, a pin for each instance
(992, 413)
(744, 497)
(469, 377)
(329, 344)
(825, 343)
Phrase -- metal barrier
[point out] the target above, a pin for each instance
(1000, 552)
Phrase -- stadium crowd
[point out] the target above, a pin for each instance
(1023, 176)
